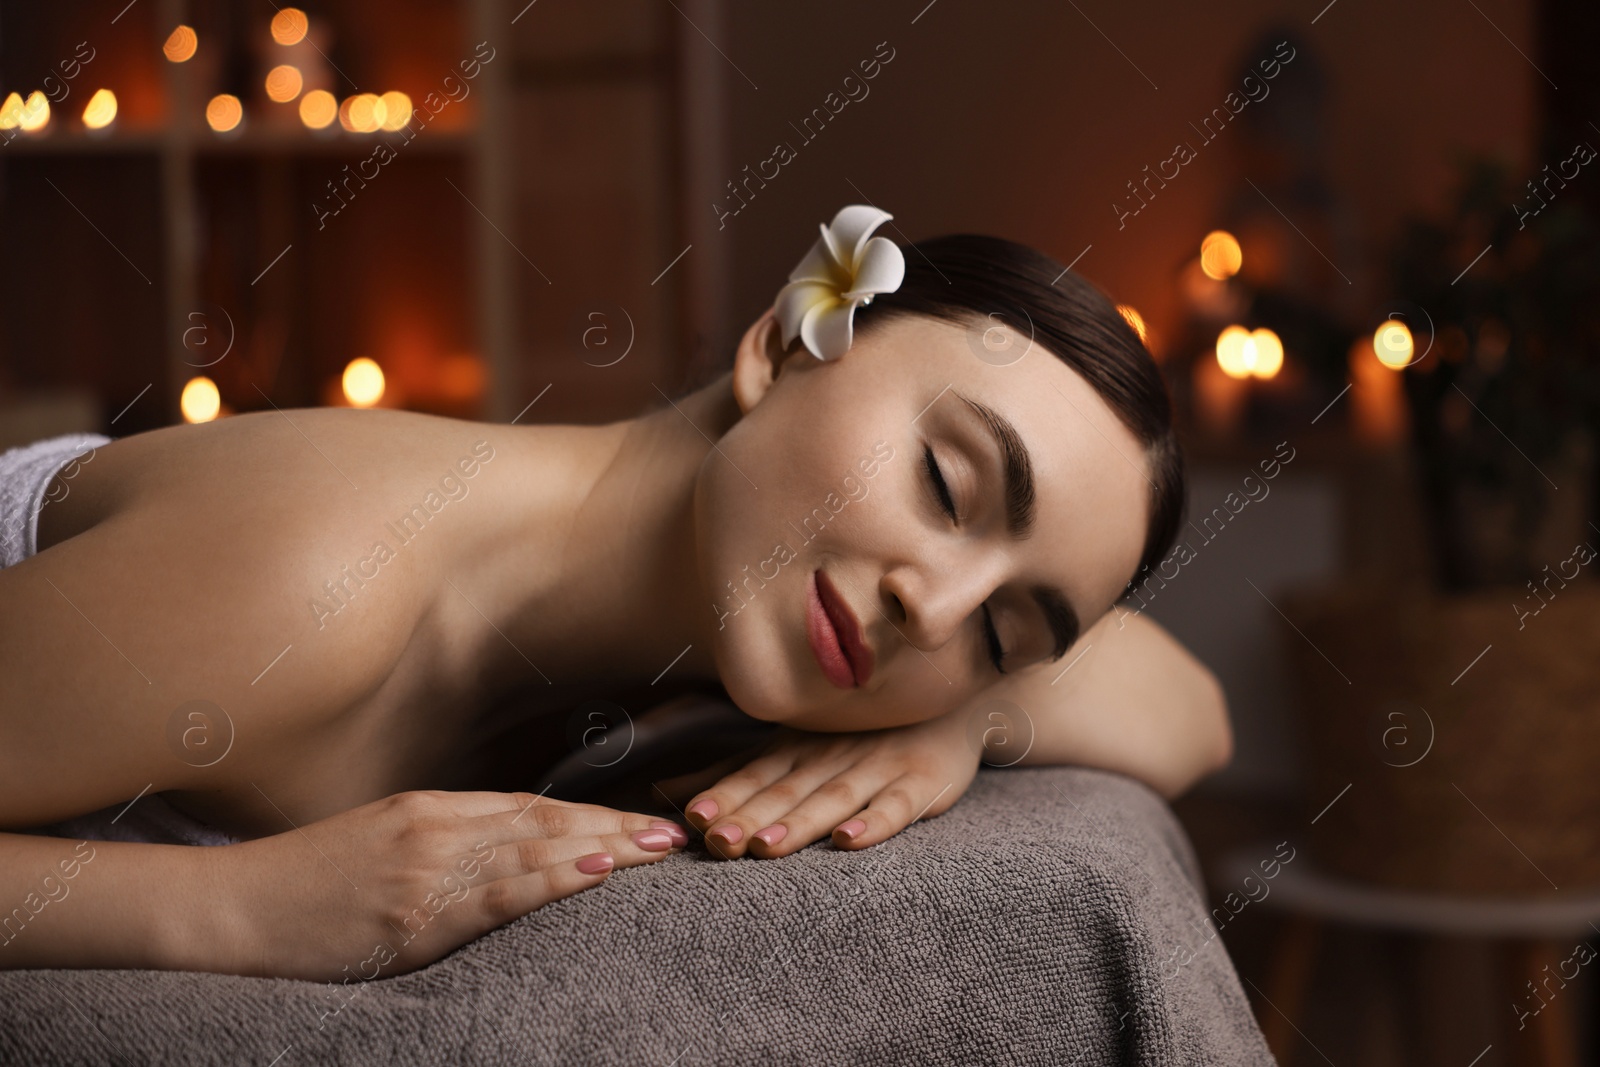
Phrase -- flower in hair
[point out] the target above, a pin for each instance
(845, 269)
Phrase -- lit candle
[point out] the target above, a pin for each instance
(363, 382)
(1377, 401)
(101, 109)
(1219, 396)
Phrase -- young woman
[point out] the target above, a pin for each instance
(280, 630)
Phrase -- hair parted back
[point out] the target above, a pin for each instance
(964, 278)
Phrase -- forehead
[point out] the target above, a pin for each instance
(1092, 487)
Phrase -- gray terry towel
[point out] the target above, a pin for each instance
(1035, 922)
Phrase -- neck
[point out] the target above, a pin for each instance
(594, 547)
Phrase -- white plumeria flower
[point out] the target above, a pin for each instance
(843, 271)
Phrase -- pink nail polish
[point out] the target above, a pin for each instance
(773, 834)
(680, 836)
(706, 809)
(595, 863)
(729, 834)
(652, 840)
(851, 829)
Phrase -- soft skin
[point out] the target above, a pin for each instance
(1134, 700)
(916, 580)
(182, 565)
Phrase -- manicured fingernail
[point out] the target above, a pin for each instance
(652, 840)
(706, 809)
(680, 836)
(773, 834)
(851, 829)
(595, 863)
(729, 834)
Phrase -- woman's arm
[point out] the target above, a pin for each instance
(66, 903)
(385, 888)
(1127, 697)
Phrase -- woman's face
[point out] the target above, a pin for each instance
(820, 500)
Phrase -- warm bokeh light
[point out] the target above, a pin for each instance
(200, 400)
(181, 44)
(318, 108)
(101, 109)
(1231, 354)
(1220, 255)
(35, 114)
(1242, 352)
(284, 83)
(224, 112)
(363, 382)
(1377, 398)
(289, 26)
(1135, 320)
(11, 112)
(396, 110)
(362, 113)
(1268, 353)
(1393, 344)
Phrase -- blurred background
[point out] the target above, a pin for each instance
(1359, 239)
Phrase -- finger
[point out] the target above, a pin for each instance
(505, 899)
(896, 806)
(541, 817)
(474, 802)
(797, 809)
(486, 802)
(526, 855)
(740, 786)
(824, 806)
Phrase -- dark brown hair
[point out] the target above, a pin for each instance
(962, 278)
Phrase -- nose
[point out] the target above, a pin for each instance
(930, 601)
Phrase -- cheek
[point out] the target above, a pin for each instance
(775, 498)
(745, 584)
(782, 494)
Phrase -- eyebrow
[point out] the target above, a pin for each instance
(1020, 515)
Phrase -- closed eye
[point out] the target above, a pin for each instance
(941, 490)
(997, 654)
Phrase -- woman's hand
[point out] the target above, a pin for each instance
(398, 883)
(862, 787)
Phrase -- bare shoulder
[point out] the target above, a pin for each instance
(201, 568)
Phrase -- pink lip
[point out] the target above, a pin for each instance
(835, 635)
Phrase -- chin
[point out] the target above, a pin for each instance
(755, 672)
(759, 700)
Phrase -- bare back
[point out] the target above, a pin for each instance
(284, 569)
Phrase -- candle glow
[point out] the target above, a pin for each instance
(284, 83)
(363, 382)
(224, 112)
(318, 109)
(1220, 255)
(289, 26)
(200, 401)
(181, 44)
(101, 109)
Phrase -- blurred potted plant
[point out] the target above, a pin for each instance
(1472, 708)
(1511, 385)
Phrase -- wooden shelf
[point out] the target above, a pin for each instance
(579, 128)
(285, 142)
